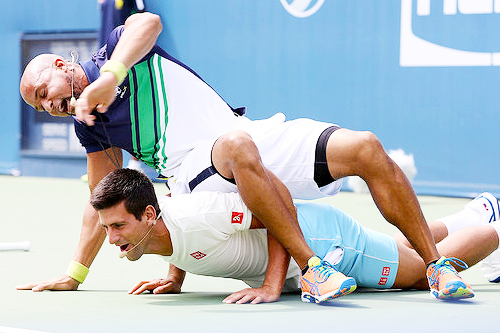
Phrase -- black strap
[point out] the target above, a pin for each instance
(322, 175)
(239, 111)
(210, 171)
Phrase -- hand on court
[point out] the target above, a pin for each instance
(158, 286)
(62, 283)
(100, 94)
(263, 294)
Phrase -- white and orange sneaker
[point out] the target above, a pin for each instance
(444, 281)
(322, 282)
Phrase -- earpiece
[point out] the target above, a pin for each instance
(74, 59)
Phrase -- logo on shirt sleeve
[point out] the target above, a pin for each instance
(237, 218)
(198, 255)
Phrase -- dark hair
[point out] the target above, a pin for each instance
(131, 186)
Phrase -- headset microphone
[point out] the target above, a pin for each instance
(72, 102)
(124, 253)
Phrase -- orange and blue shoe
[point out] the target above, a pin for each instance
(444, 281)
(322, 282)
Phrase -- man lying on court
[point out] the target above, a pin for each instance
(213, 233)
(163, 113)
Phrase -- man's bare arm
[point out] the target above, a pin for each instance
(99, 164)
(137, 39)
(270, 290)
(92, 235)
(279, 259)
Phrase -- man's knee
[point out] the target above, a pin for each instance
(367, 142)
(354, 146)
(235, 148)
(354, 153)
(236, 142)
(368, 146)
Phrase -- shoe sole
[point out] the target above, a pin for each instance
(347, 287)
(454, 290)
(497, 280)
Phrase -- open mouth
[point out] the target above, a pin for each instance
(66, 107)
(124, 247)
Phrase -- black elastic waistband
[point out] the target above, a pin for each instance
(322, 175)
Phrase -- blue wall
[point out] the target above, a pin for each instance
(19, 17)
(423, 77)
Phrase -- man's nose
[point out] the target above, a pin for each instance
(47, 105)
(113, 238)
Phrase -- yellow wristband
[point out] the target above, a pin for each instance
(77, 271)
(117, 68)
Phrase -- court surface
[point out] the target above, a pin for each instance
(47, 212)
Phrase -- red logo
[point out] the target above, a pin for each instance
(382, 281)
(237, 218)
(386, 271)
(198, 255)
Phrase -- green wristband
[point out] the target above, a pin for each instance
(77, 271)
(117, 68)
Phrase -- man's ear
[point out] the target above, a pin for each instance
(61, 64)
(150, 214)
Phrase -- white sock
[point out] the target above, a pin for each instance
(463, 219)
(480, 211)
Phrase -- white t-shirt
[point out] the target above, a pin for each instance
(210, 236)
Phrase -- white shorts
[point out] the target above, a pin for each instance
(287, 148)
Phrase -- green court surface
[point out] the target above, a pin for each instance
(47, 212)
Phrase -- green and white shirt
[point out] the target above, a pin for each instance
(162, 110)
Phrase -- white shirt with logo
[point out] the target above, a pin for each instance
(211, 235)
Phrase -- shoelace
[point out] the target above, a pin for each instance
(324, 270)
(446, 263)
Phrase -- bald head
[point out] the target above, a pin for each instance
(32, 73)
(46, 84)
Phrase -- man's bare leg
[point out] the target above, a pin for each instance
(361, 153)
(471, 244)
(235, 155)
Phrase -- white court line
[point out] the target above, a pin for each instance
(4, 329)
(11, 246)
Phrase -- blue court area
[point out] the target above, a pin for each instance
(47, 212)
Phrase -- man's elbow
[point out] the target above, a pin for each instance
(153, 21)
